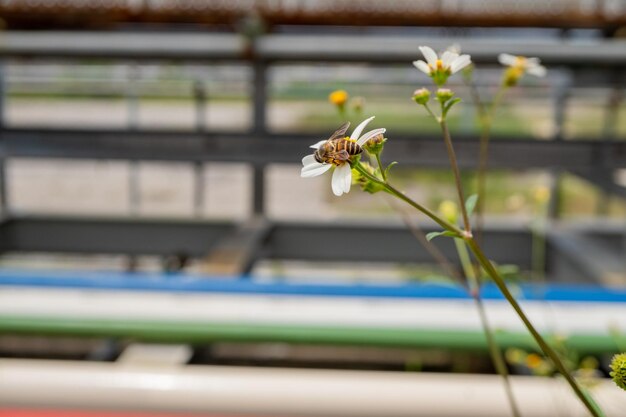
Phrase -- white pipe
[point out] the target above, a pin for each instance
(569, 318)
(285, 392)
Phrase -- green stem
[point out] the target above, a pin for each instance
(496, 355)
(488, 267)
(457, 174)
(547, 350)
(486, 118)
(494, 350)
(380, 166)
(393, 191)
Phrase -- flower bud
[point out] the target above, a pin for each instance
(375, 145)
(618, 367)
(358, 103)
(421, 96)
(444, 94)
(338, 97)
(365, 183)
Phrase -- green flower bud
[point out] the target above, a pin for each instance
(421, 96)
(618, 365)
(375, 145)
(444, 94)
(365, 183)
(358, 103)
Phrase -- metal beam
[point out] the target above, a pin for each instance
(290, 47)
(422, 151)
(117, 236)
(358, 242)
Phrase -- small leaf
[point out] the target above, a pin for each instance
(430, 236)
(449, 105)
(389, 168)
(470, 203)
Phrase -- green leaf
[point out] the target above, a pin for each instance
(430, 236)
(470, 203)
(449, 105)
(389, 168)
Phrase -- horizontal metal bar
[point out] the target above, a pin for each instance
(116, 236)
(281, 47)
(327, 242)
(422, 151)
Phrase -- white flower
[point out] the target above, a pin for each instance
(342, 175)
(440, 68)
(523, 64)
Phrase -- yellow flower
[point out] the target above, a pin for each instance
(338, 97)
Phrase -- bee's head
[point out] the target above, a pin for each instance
(318, 156)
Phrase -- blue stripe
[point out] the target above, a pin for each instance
(216, 284)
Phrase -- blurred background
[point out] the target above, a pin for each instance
(159, 252)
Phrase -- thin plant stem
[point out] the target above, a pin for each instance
(545, 347)
(491, 271)
(496, 355)
(486, 119)
(399, 194)
(437, 255)
(380, 166)
(494, 351)
(457, 174)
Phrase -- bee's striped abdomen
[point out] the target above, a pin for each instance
(349, 146)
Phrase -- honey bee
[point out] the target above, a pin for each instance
(337, 149)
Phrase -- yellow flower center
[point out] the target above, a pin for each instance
(349, 139)
(439, 64)
(520, 62)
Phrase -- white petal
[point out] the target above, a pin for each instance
(314, 170)
(342, 179)
(367, 136)
(430, 55)
(455, 48)
(309, 160)
(532, 62)
(507, 59)
(447, 58)
(460, 63)
(422, 66)
(357, 131)
(318, 144)
(537, 70)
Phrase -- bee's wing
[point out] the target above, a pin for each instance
(341, 132)
(341, 155)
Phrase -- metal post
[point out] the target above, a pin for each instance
(4, 202)
(554, 205)
(258, 181)
(259, 96)
(561, 96)
(200, 96)
(132, 111)
(259, 127)
(198, 194)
